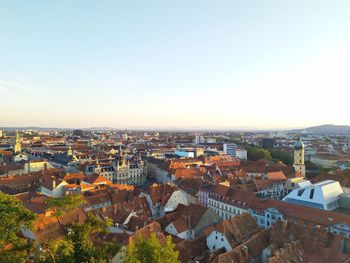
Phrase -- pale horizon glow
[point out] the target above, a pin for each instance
(174, 65)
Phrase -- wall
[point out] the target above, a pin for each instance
(225, 211)
(176, 198)
(217, 240)
(208, 219)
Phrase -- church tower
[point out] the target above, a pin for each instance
(70, 151)
(299, 164)
(17, 147)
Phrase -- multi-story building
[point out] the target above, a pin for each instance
(199, 139)
(230, 149)
(241, 154)
(323, 195)
(122, 169)
(129, 170)
(223, 201)
(227, 203)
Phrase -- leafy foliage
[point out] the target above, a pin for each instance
(81, 236)
(13, 217)
(257, 153)
(65, 204)
(59, 250)
(151, 250)
(78, 245)
(284, 157)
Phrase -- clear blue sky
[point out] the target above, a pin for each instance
(176, 64)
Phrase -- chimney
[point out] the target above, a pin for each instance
(114, 209)
(245, 251)
(53, 183)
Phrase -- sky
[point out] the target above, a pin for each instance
(194, 64)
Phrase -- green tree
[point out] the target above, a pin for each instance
(58, 251)
(256, 153)
(284, 157)
(81, 235)
(151, 250)
(78, 246)
(65, 204)
(13, 217)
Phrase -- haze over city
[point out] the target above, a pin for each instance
(183, 64)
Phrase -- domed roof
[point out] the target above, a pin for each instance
(298, 145)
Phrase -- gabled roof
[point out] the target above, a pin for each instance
(288, 243)
(191, 185)
(97, 199)
(136, 223)
(277, 176)
(98, 179)
(50, 182)
(190, 249)
(181, 225)
(71, 176)
(237, 229)
(160, 194)
(146, 232)
(50, 227)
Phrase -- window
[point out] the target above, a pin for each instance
(300, 192)
(312, 193)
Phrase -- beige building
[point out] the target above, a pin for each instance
(129, 170)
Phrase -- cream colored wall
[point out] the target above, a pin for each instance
(299, 164)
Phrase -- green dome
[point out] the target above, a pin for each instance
(298, 145)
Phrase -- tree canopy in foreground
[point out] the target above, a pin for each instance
(152, 250)
(13, 217)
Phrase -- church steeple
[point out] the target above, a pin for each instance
(299, 164)
(70, 151)
(17, 147)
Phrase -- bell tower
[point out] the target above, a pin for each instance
(299, 164)
(17, 147)
(70, 151)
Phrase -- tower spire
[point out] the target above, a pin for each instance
(17, 147)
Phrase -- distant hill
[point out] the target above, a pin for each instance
(327, 128)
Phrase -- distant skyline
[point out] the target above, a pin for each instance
(174, 64)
